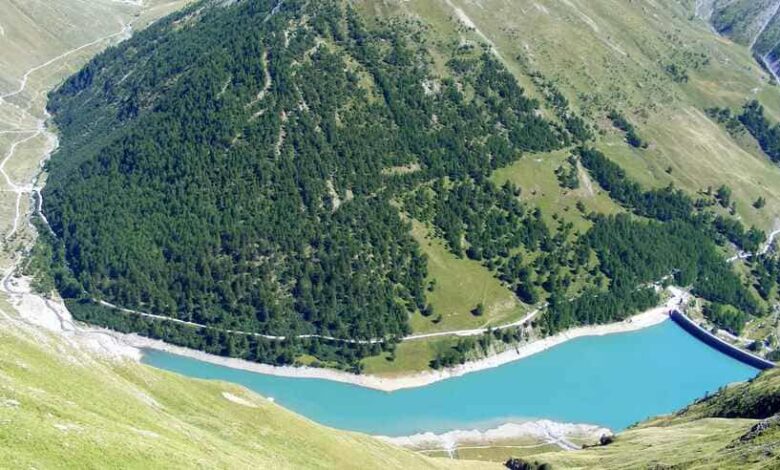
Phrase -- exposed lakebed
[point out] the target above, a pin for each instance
(612, 381)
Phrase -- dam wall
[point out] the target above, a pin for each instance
(743, 356)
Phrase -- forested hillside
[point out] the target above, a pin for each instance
(226, 166)
(252, 170)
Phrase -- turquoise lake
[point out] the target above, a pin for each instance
(612, 381)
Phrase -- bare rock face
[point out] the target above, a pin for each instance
(607, 439)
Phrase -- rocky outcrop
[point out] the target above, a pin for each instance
(761, 428)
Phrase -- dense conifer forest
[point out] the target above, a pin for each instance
(225, 166)
(254, 167)
(767, 135)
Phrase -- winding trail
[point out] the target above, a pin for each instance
(7, 284)
(764, 249)
(698, 10)
(462, 333)
(479, 331)
(40, 129)
(678, 294)
(34, 310)
(17, 131)
(238, 332)
(19, 190)
(126, 28)
(560, 441)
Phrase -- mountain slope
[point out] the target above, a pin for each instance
(251, 189)
(64, 405)
(738, 427)
(42, 42)
(60, 404)
(755, 24)
(244, 178)
(652, 61)
(63, 402)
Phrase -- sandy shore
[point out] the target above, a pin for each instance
(538, 432)
(388, 384)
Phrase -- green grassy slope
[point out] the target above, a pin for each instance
(739, 427)
(605, 54)
(459, 285)
(62, 406)
(536, 174)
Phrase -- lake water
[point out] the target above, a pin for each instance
(612, 381)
